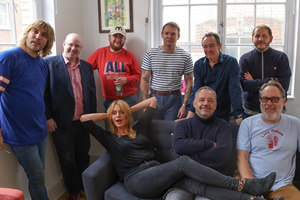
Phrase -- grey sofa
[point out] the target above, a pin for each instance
(100, 179)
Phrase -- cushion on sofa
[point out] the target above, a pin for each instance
(118, 191)
(161, 139)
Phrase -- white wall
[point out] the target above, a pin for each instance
(92, 40)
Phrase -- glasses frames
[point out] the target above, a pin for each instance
(272, 99)
(72, 45)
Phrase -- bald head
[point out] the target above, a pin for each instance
(72, 46)
(74, 36)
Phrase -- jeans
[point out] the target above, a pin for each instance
(72, 146)
(131, 100)
(183, 173)
(167, 106)
(32, 159)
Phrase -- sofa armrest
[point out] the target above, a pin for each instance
(98, 177)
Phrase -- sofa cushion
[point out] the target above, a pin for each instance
(11, 194)
(176, 193)
(118, 191)
(161, 139)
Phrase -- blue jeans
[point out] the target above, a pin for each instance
(131, 100)
(155, 179)
(32, 159)
(167, 106)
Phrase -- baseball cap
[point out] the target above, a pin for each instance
(117, 30)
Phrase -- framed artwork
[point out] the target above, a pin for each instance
(115, 13)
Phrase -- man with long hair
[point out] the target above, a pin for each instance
(23, 75)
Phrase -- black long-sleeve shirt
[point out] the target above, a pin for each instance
(127, 154)
(195, 138)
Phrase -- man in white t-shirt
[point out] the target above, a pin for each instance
(269, 141)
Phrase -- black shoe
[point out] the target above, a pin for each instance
(258, 187)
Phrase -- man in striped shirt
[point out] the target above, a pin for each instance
(162, 71)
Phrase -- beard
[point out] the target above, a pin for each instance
(270, 117)
(116, 47)
(205, 114)
(267, 45)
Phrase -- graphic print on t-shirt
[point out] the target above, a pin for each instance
(272, 139)
(114, 67)
(113, 70)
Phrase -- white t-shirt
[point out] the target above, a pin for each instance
(272, 147)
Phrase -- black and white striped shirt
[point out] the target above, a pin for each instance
(167, 68)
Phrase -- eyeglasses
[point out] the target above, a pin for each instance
(72, 45)
(272, 99)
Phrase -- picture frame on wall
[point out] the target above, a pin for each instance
(115, 13)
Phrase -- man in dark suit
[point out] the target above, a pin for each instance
(70, 93)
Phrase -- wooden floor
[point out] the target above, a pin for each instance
(66, 194)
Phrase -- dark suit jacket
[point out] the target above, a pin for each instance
(59, 97)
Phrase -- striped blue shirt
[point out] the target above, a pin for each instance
(167, 68)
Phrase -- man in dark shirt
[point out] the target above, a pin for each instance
(259, 66)
(204, 137)
(220, 72)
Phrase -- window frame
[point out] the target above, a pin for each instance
(6, 16)
(289, 45)
(11, 15)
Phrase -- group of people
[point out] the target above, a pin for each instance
(57, 94)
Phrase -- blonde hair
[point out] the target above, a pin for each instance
(49, 30)
(126, 109)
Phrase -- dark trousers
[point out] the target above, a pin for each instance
(72, 146)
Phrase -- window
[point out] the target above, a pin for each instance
(243, 15)
(4, 23)
(15, 15)
(234, 21)
(195, 17)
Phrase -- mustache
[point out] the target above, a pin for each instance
(269, 107)
(205, 106)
